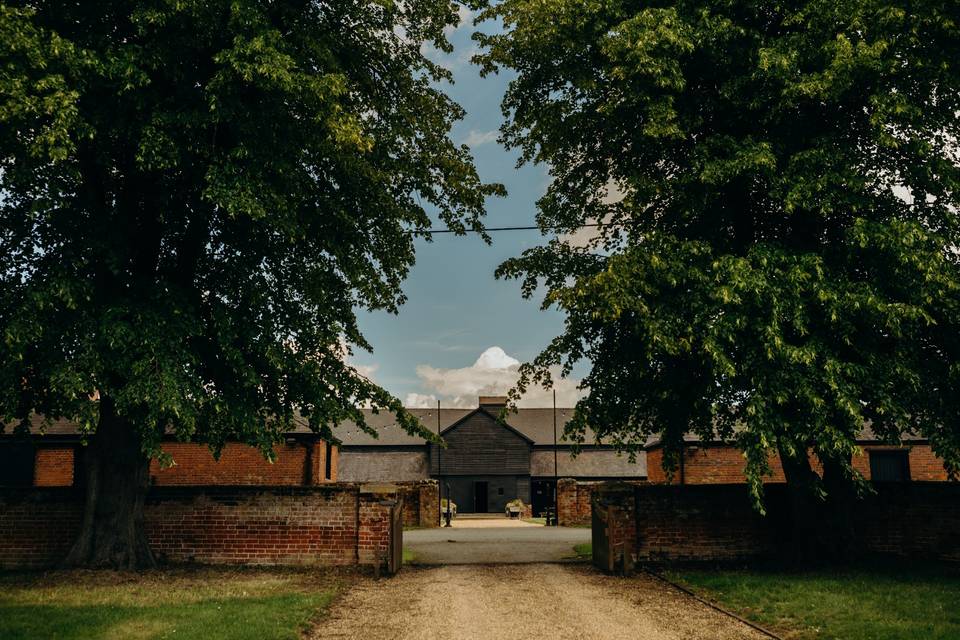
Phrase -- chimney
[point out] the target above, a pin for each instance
(493, 403)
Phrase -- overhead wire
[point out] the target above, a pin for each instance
(423, 232)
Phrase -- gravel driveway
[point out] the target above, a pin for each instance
(493, 541)
(507, 602)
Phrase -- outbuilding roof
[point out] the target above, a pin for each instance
(867, 435)
(533, 424)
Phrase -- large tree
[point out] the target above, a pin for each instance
(195, 199)
(776, 185)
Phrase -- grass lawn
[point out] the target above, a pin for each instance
(583, 550)
(194, 603)
(903, 602)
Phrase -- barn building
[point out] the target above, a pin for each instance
(53, 457)
(487, 462)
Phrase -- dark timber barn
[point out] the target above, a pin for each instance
(486, 462)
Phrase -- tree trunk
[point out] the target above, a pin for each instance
(837, 529)
(117, 476)
(803, 505)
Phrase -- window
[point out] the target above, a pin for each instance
(16, 464)
(328, 463)
(889, 466)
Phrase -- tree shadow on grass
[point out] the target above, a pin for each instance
(267, 618)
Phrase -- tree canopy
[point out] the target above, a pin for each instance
(198, 196)
(776, 186)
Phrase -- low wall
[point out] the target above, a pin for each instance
(574, 499)
(421, 503)
(919, 520)
(707, 522)
(332, 524)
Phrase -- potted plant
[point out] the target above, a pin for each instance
(515, 508)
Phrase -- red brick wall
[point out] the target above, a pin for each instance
(421, 503)
(573, 501)
(724, 464)
(239, 464)
(53, 467)
(332, 524)
(714, 522)
(37, 526)
(718, 523)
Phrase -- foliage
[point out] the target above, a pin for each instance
(776, 186)
(894, 602)
(516, 502)
(197, 197)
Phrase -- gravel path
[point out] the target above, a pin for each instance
(479, 541)
(508, 602)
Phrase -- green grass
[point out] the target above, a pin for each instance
(536, 520)
(583, 550)
(892, 603)
(197, 603)
(409, 556)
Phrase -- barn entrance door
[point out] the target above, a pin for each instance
(542, 497)
(480, 492)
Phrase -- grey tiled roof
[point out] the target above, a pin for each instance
(866, 435)
(536, 424)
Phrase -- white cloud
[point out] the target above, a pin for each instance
(476, 138)
(366, 370)
(455, 61)
(420, 401)
(494, 373)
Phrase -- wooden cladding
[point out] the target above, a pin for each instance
(479, 445)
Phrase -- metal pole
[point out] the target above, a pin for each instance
(556, 493)
(439, 475)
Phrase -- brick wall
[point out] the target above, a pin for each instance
(331, 524)
(724, 464)
(53, 467)
(301, 463)
(421, 503)
(717, 522)
(37, 526)
(573, 501)
(239, 464)
(714, 522)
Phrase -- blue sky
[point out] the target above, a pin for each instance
(456, 310)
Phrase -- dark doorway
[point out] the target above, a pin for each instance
(480, 491)
(542, 496)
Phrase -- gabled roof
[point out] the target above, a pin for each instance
(484, 412)
(535, 425)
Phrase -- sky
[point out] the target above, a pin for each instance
(462, 333)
